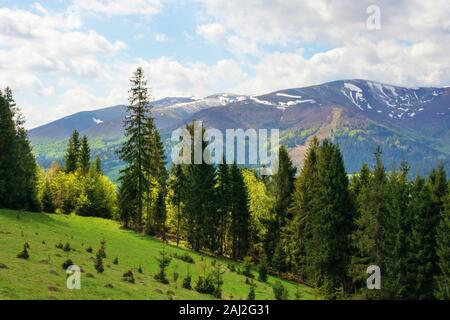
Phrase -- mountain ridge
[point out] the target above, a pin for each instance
(409, 123)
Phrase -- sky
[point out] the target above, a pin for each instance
(65, 56)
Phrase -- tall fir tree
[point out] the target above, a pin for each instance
(299, 232)
(283, 188)
(84, 158)
(240, 215)
(18, 168)
(224, 204)
(133, 150)
(8, 155)
(442, 288)
(421, 263)
(73, 153)
(396, 227)
(201, 200)
(177, 184)
(369, 192)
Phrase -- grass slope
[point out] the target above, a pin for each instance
(42, 275)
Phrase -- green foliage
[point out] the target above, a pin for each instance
(279, 291)
(18, 169)
(442, 289)
(163, 262)
(73, 153)
(187, 282)
(263, 269)
(186, 257)
(99, 262)
(128, 277)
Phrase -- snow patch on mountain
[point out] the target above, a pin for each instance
(97, 121)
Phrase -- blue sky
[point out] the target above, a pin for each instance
(64, 56)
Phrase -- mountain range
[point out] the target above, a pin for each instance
(410, 124)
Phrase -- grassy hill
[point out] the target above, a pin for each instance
(43, 277)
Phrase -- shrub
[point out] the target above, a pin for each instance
(186, 257)
(187, 282)
(89, 249)
(140, 270)
(102, 252)
(231, 267)
(251, 295)
(205, 285)
(24, 254)
(66, 247)
(59, 245)
(99, 263)
(248, 268)
(279, 291)
(67, 264)
(263, 270)
(26, 245)
(128, 276)
(116, 260)
(164, 262)
(175, 276)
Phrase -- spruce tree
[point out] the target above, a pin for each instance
(8, 155)
(224, 194)
(240, 215)
(369, 192)
(177, 184)
(396, 227)
(84, 156)
(133, 150)
(201, 202)
(421, 251)
(298, 234)
(442, 288)
(73, 153)
(283, 187)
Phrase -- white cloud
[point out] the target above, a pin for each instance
(162, 38)
(211, 31)
(121, 7)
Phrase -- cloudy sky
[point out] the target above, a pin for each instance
(64, 56)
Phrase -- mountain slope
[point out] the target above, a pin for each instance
(42, 275)
(410, 124)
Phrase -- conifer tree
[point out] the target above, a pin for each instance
(442, 289)
(8, 155)
(283, 185)
(224, 194)
(421, 250)
(240, 215)
(84, 156)
(133, 150)
(201, 202)
(177, 184)
(396, 227)
(369, 190)
(73, 153)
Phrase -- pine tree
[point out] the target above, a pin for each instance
(73, 153)
(84, 156)
(240, 215)
(298, 233)
(48, 198)
(369, 191)
(201, 203)
(177, 184)
(8, 155)
(442, 290)
(133, 150)
(422, 259)
(98, 165)
(283, 185)
(224, 193)
(396, 227)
